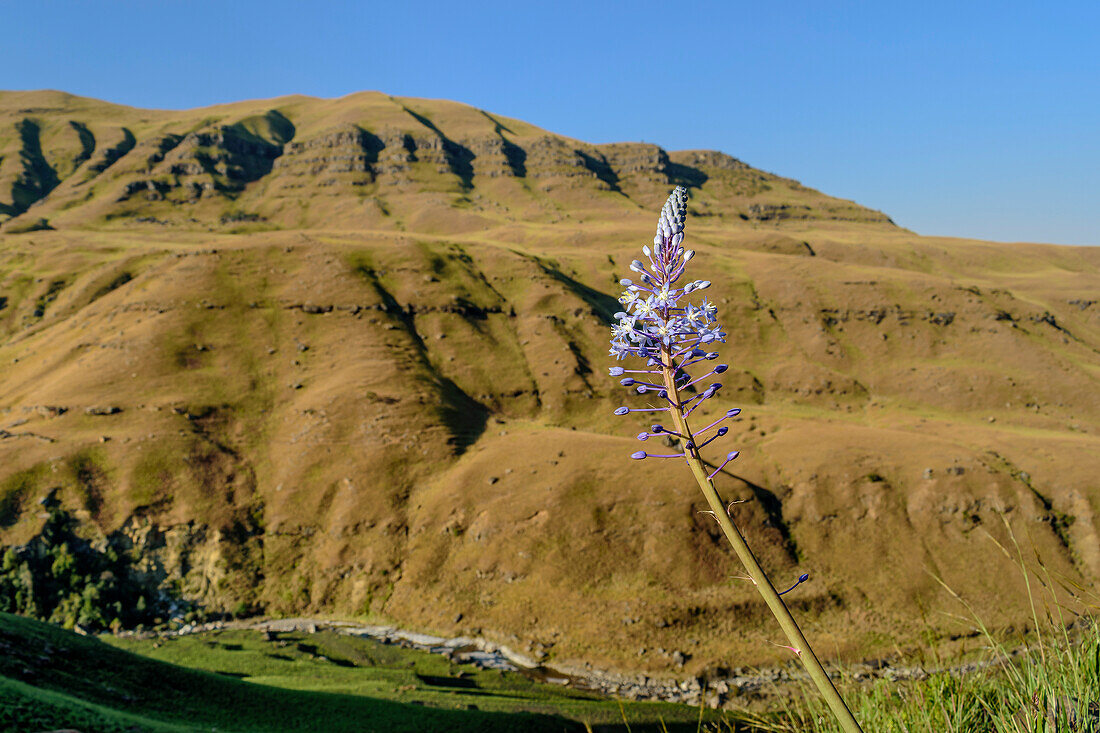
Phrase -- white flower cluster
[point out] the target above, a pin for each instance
(653, 316)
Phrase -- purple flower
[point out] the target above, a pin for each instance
(661, 325)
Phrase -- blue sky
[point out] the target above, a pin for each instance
(957, 118)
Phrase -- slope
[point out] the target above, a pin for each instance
(384, 396)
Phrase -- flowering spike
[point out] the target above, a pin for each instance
(659, 325)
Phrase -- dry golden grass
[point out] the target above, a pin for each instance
(385, 395)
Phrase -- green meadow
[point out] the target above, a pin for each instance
(235, 680)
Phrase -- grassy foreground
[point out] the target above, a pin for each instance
(1052, 688)
(52, 679)
(1044, 679)
(235, 680)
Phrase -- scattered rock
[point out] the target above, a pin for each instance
(111, 410)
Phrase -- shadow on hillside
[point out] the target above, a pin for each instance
(686, 176)
(38, 177)
(514, 154)
(601, 169)
(603, 305)
(459, 157)
(464, 417)
(773, 510)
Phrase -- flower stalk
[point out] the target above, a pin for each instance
(671, 337)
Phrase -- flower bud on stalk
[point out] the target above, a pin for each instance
(660, 326)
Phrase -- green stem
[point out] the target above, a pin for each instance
(760, 579)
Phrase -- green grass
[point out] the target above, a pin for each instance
(234, 680)
(1045, 681)
(17, 488)
(1053, 687)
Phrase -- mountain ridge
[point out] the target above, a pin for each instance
(212, 163)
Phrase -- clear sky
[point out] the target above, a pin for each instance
(978, 119)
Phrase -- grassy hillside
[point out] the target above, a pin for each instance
(338, 378)
(52, 679)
